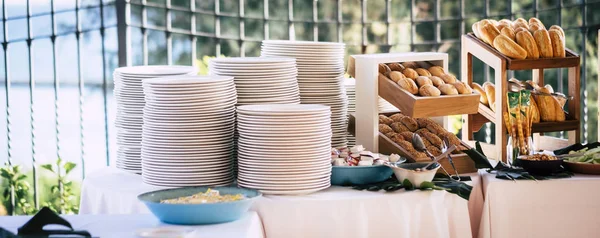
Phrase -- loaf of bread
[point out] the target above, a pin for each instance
(519, 29)
(542, 39)
(535, 27)
(489, 32)
(526, 41)
(448, 89)
(436, 81)
(490, 91)
(482, 95)
(535, 111)
(408, 85)
(508, 31)
(555, 27)
(423, 80)
(509, 48)
(558, 43)
(429, 90)
(520, 22)
(410, 73)
(535, 20)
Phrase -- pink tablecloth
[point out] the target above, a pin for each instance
(550, 208)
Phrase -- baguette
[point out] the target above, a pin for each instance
(502, 26)
(525, 40)
(536, 21)
(482, 95)
(508, 31)
(558, 43)
(535, 27)
(489, 32)
(436, 70)
(542, 39)
(519, 29)
(555, 27)
(520, 22)
(490, 91)
(509, 48)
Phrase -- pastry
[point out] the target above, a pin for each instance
(489, 32)
(407, 135)
(436, 70)
(536, 27)
(436, 81)
(448, 78)
(410, 73)
(410, 64)
(385, 120)
(383, 128)
(434, 150)
(448, 89)
(429, 90)
(399, 127)
(525, 40)
(408, 85)
(558, 43)
(423, 72)
(396, 76)
(482, 95)
(395, 67)
(509, 48)
(410, 123)
(508, 31)
(396, 117)
(384, 69)
(490, 91)
(423, 122)
(535, 20)
(542, 39)
(423, 80)
(555, 27)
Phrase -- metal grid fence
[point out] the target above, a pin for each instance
(181, 31)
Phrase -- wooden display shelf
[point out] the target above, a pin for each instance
(571, 59)
(472, 46)
(417, 106)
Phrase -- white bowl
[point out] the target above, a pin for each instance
(407, 171)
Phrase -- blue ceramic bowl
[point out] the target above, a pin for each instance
(197, 214)
(359, 175)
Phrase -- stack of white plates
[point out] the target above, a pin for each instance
(284, 148)
(260, 80)
(187, 137)
(130, 104)
(320, 78)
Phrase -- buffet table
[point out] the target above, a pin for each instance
(335, 212)
(127, 225)
(550, 208)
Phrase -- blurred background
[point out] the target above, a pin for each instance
(57, 58)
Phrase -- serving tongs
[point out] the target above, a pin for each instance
(418, 144)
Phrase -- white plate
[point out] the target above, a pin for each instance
(156, 70)
(304, 44)
(277, 178)
(252, 60)
(293, 171)
(295, 191)
(258, 184)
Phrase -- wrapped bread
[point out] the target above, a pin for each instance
(423, 80)
(525, 40)
(410, 73)
(482, 95)
(396, 76)
(448, 78)
(408, 85)
(549, 108)
(436, 70)
(490, 91)
(463, 88)
(508, 31)
(436, 81)
(429, 90)
(542, 39)
(509, 48)
(448, 89)
(535, 111)
(395, 67)
(558, 43)
(423, 72)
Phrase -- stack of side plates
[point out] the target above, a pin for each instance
(320, 78)
(260, 80)
(130, 104)
(187, 137)
(284, 148)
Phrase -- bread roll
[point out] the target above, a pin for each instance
(423, 72)
(535, 27)
(542, 39)
(502, 26)
(436, 70)
(384, 69)
(534, 20)
(396, 76)
(482, 95)
(383, 119)
(408, 85)
(429, 90)
(410, 64)
(463, 88)
(558, 43)
(509, 48)
(519, 29)
(489, 32)
(448, 89)
(475, 28)
(423, 80)
(508, 31)
(410, 123)
(448, 78)
(398, 127)
(397, 117)
(520, 22)
(525, 40)
(555, 27)
(395, 67)
(410, 73)
(383, 128)
(506, 21)
(494, 22)
(490, 91)
(436, 81)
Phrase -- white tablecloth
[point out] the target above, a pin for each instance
(551, 208)
(124, 226)
(335, 212)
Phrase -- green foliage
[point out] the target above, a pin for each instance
(64, 199)
(16, 190)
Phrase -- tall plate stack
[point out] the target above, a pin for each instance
(187, 137)
(284, 148)
(320, 78)
(130, 104)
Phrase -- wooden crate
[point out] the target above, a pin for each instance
(472, 46)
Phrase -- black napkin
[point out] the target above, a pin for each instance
(576, 146)
(35, 226)
(440, 182)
